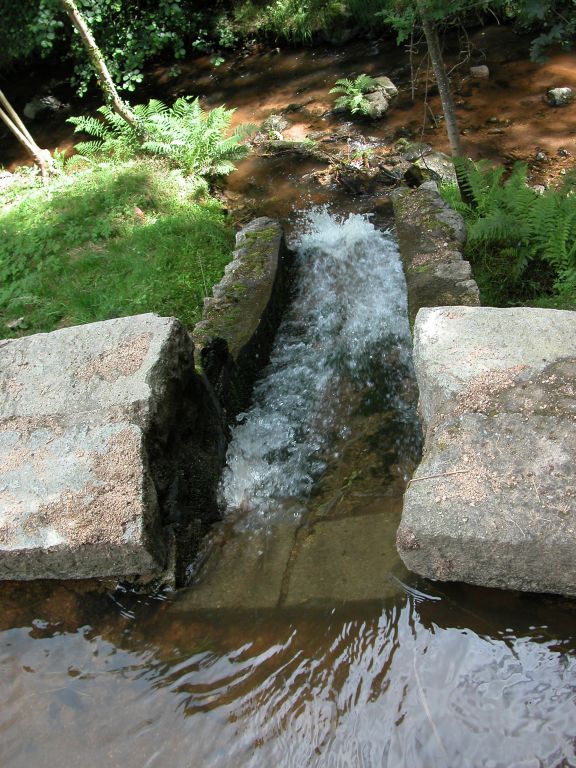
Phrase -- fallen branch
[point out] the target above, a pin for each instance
(440, 474)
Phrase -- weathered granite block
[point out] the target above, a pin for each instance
(431, 237)
(493, 501)
(239, 323)
(88, 417)
(77, 500)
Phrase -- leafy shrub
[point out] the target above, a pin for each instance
(522, 244)
(354, 94)
(190, 138)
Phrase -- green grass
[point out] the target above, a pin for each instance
(105, 243)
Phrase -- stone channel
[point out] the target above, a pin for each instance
(113, 437)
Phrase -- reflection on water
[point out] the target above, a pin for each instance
(422, 680)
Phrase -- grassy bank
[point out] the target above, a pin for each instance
(108, 242)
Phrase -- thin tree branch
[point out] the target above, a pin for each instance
(105, 81)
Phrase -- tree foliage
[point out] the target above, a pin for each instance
(132, 32)
(129, 33)
(552, 21)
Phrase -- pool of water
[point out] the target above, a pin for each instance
(450, 677)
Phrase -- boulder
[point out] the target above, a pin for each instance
(380, 96)
(378, 104)
(560, 97)
(493, 501)
(412, 150)
(41, 105)
(274, 125)
(480, 72)
(433, 166)
(90, 418)
(386, 85)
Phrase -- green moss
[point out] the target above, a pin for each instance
(236, 315)
(257, 252)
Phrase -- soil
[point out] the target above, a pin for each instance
(503, 118)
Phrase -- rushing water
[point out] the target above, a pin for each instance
(343, 347)
(430, 675)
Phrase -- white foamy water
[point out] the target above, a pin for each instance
(348, 318)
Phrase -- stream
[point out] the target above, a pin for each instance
(341, 361)
(426, 674)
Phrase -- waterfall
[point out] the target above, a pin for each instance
(343, 345)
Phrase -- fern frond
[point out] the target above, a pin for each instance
(365, 82)
(90, 125)
(344, 85)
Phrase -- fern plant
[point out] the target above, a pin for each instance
(195, 140)
(522, 244)
(191, 138)
(354, 99)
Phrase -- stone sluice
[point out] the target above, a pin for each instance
(111, 442)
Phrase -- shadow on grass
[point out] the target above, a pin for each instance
(107, 243)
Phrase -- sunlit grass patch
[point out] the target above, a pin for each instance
(105, 243)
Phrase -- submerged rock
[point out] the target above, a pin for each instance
(493, 501)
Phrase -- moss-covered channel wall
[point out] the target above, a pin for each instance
(431, 237)
(234, 339)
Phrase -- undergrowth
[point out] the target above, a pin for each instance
(297, 21)
(354, 94)
(108, 242)
(521, 244)
(191, 139)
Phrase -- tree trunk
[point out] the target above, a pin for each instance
(111, 95)
(445, 92)
(42, 157)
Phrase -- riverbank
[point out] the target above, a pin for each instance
(107, 242)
